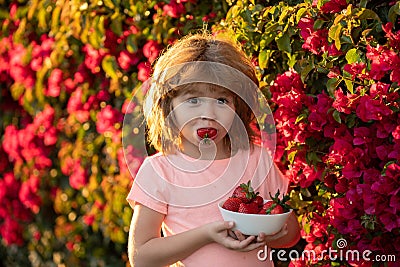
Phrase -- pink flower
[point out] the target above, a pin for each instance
(88, 219)
(78, 177)
(334, 6)
(75, 106)
(54, 83)
(107, 118)
(93, 58)
(394, 38)
(356, 70)
(126, 60)
(317, 121)
(396, 133)
(11, 232)
(371, 109)
(383, 61)
(174, 9)
(11, 144)
(144, 71)
(151, 50)
(29, 195)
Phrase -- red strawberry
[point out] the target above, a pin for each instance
(245, 192)
(259, 200)
(272, 207)
(276, 205)
(250, 208)
(232, 204)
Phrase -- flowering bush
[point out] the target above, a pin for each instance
(330, 69)
(331, 72)
(67, 70)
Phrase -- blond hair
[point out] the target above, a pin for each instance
(161, 133)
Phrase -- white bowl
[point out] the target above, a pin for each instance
(253, 224)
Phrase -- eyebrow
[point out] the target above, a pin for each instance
(193, 90)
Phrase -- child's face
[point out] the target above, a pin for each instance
(200, 110)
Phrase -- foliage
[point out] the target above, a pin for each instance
(67, 69)
(331, 72)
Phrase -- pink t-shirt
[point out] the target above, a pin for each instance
(188, 191)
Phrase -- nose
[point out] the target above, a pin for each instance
(209, 111)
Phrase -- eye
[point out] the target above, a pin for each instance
(193, 100)
(222, 100)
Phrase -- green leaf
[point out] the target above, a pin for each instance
(336, 116)
(334, 33)
(367, 14)
(284, 43)
(291, 156)
(131, 45)
(300, 13)
(332, 84)
(305, 71)
(263, 58)
(349, 85)
(109, 65)
(301, 117)
(393, 11)
(266, 39)
(352, 56)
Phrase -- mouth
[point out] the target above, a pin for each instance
(207, 133)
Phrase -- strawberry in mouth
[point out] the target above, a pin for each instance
(207, 133)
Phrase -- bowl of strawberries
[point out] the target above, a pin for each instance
(252, 213)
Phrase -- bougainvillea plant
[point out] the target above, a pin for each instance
(331, 72)
(330, 69)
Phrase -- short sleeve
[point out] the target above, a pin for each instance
(139, 192)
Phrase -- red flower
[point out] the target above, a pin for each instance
(93, 58)
(28, 194)
(151, 50)
(371, 109)
(88, 219)
(11, 232)
(78, 177)
(174, 9)
(126, 60)
(54, 83)
(107, 118)
(334, 6)
(144, 71)
(356, 70)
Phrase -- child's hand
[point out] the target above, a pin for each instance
(220, 232)
(268, 238)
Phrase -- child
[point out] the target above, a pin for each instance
(199, 116)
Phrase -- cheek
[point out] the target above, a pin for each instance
(226, 118)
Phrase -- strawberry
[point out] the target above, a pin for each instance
(276, 205)
(259, 200)
(250, 208)
(271, 207)
(232, 204)
(245, 192)
(206, 133)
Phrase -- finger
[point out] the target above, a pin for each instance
(222, 226)
(232, 234)
(244, 243)
(239, 235)
(261, 237)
